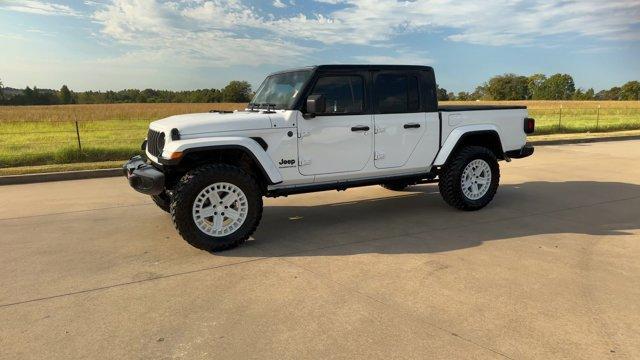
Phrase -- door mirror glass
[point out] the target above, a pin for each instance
(316, 104)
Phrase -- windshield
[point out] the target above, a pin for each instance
(281, 90)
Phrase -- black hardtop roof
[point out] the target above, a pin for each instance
(338, 67)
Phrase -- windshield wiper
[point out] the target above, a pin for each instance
(255, 107)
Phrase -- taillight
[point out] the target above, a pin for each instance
(529, 125)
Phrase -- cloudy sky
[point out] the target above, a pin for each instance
(187, 44)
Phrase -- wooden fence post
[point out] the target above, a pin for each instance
(560, 119)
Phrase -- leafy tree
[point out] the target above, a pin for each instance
(535, 82)
(589, 94)
(65, 95)
(442, 93)
(237, 91)
(1, 92)
(630, 91)
(558, 87)
(480, 93)
(612, 94)
(508, 87)
(463, 96)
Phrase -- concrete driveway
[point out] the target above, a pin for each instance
(551, 269)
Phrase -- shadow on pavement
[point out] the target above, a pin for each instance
(418, 220)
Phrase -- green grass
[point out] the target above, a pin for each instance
(43, 142)
(46, 142)
(550, 121)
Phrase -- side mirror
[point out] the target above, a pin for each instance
(316, 104)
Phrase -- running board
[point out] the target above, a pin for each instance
(428, 178)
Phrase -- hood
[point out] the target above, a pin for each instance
(191, 124)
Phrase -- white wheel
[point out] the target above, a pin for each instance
(476, 179)
(220, 209)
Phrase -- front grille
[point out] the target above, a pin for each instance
(155, 142)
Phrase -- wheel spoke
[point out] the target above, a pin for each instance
(214, 197)
(217, 222)
(229, 199)
(476, 179)
(207, 211)
(232, 214)
(214, 201)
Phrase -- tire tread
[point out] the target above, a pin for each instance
(449, 183)
(181, 218)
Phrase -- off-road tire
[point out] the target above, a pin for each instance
(395, 185)
(450, 183)
(188, 188)
(163, 201)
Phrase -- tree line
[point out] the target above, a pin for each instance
(501, 87)
(235, 92)
(541, 87)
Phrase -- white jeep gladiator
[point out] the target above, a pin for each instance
(322, 128)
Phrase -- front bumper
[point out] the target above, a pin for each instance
(526, 150)
(143, 177)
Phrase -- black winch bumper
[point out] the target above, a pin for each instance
(526, 150)
(143, 177)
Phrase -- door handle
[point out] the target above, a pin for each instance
(411, 126)
(360, 128)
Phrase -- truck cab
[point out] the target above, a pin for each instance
(321, 128)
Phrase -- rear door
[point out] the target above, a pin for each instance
(341, 139)
(399, 119)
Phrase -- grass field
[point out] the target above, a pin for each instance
(41, 135)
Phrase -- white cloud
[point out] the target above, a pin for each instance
(490, 22)
(200, 33)
(230, 32)
(279, 4)
(39, 7)
(399, 57)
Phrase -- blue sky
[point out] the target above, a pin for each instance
(188, 44)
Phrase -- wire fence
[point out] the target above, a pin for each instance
(55, 142)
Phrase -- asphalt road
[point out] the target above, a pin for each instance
(551, 269)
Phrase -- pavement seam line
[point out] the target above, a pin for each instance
(351, 289)
(107, 287)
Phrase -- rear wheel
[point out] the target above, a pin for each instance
(470, 179)
(216, 207)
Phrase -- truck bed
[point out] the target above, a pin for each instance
(456, 108)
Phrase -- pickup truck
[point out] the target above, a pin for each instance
(328, 127)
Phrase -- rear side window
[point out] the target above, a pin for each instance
(397, 93)
(343, 94)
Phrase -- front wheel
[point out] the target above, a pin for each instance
(470, 179)
(216, 207)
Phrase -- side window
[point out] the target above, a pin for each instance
(414, 94)
(397, 93)
(343, 94)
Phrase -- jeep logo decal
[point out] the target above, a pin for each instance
(286, 163)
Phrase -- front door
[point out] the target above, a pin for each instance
(341, 138)
(399, 120)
